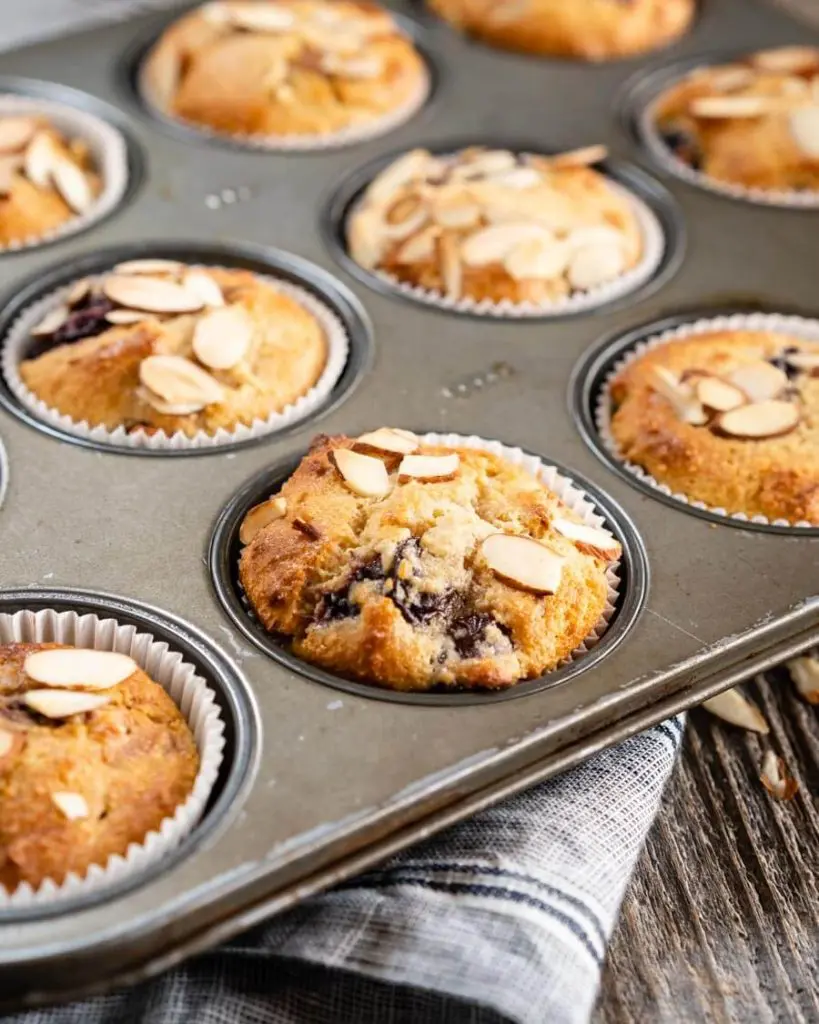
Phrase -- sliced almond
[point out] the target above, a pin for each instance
(366, 66)
(151, 294)
(50, 323)
(760, 380)
(759, 420)
(518, 178)
(39, 160)
(429, 467)
(537, 259)
(787, 60)
(73, 806)
(523, 562)
(803, 360)
(686, 405)
(411, 166)
(584, 157)
(717, 395)
(367, 238)
(411, 222)
(728, 79)
(73, 184)
(16, 133)
(804, 126)
(179, 381)
(169, 408)
(79, 291)
(734, 707)
(419, 247)
(776, 778)
(483, 163)
(452, 273)
(222, 338)
(125, 316)
(493, 244)
(260, 516)
(593, 235)
(589, 539)
(403, 211)
(75, 666)
(456, 214)
(386, 439)
(734, 106)
(363, 474)
(63, 703)
(805, 674)
(149, 267)
(260, 17)
(595, 265)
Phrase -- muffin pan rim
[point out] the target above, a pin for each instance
(238, 705)
(222, 559)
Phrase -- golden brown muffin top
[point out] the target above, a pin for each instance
(46, 177)
(412, 565)
(455, 222)
(158, 344)
(284, 67)
(753, 122)
(93, 755)
(730, 418)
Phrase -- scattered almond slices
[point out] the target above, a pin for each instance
(254, 17)
(686, 405)
(708, 107)
(458, 213)
(776, 778)
(16, 133)
(595, 265)
(363, 474)
(50, 323)
(493, 244)
(78, 667)
(733, 706)
(759, 380)
(537, 259)
(716, 394)
(73, 806)
(122, 317)
(429, 468)
(262, 515)
(787, 60)
(759, 420)
(413, 165)
(804, 127)
(419, 247)
(73, 184)
(179, 381)
(79, 291)
(482, 163)
(518, 178)
(64, 703)
(404, 218)
(364, 66)
(169, 408)
(150, 294)
(523, 563)
(222, 337)
(39, 159)
(805, 674)
(366, 238)
(389, 439)
(589, 539)
(149, 267)
(729, 78)
(808, 361)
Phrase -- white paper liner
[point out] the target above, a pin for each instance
(107, 148)
(294, 143)
(4, 473)
(195, 699)
(654, 244)
(798, 326)
(646, 124)
(338, 347)
(572, 496)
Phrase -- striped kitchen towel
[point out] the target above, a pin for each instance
(502, 918)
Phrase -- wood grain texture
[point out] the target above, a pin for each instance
(721, 921)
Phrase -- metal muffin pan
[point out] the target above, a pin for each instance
(344, 779)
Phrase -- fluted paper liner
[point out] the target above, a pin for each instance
(195, 699)
(294, 142)
(797, 326)
(18, 340)
(572, 496)
(107, 148)
(654, 245)
(647, 127)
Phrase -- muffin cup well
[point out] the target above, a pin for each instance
(798, 326)
(338, 347)
(654, 248)
(189, 691)
(224, 566)
(107, 147)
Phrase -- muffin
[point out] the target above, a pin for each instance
(285, 68)
(93, 756)
(157, 345)
(488, 224)
(46, 178)
(753, 122)
(592, 30)
(729, 418)
(413, 566)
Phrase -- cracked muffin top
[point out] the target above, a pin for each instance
(93, 756)
(46, 178)
(159, 345)
(493, 225)
(593, 30)
(285, 67)
(729, 418)
(753, 122)
(417, 567)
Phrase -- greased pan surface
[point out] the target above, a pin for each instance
(340, 778)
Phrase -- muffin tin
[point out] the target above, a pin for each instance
(321, 783)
